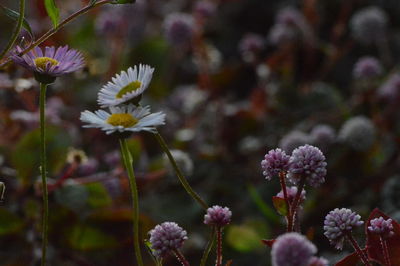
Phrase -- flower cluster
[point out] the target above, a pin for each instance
(218, 216)
(166, 237)
(382, 227)
(275, 162)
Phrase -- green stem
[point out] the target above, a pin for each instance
(208, 247)
(17, 29)
(179, 173)
(127, 158)
(52, 31)
(43, 170)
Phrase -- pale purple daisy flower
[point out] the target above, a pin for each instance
(218, 216)
(382, 227)
(292, 249)
(166, 237)
(275, 161)
(291, 193)
(338, 223)
(318, 261)
(307, 162)
(367, 67)
(50, 63)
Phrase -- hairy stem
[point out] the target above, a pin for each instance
(285, 196)
(218, 262)
(17, 29)
(358, 250)
(43, 170)
(181, 258)
(385, 249)
(179, 173)
(296, 202)
(208, 248)
(52, 31)
(127, 158)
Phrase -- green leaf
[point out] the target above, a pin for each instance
(268, 212)
(243, 238)
(52, 11)
(14, 15)
(280, 205)
(84, 237)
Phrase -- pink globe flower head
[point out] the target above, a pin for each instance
(382, 227)
(292, 249)
(318, 261)
(50, 63)
(338, 223)
(275, 161)
(166, 237)
(218, 216)
(291, 193)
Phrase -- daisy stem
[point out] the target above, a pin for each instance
(127, 158)
(43, 170)
(179, 173)
(17, 29)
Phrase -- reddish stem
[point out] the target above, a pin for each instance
(181, 258)
(357, 248)
(218, 262)
(296, 201)
(385, 249)
(285, 196)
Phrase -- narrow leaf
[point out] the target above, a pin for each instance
(121, 2)
(52, 11)
(14, 15)
(280, 205)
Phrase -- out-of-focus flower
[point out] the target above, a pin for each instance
(111, 20)
(390, 90)
(291, 193)
(318, 261)
(212, 57)
(112, 158)
(166, 237)
(280, 33)
(382, 227)
(5, 81)
(76, 156)
(358, 132)
(338, 223)
(368, 25)
(322, 136)
(292, 249)
(125, 118)
(204, 8)
(250, 45)
(88, 167)
(127, 86)
(218, 216)
(182, 159)
(179, 29)
(293, 140)
(367, 67)
(275, 161)
(307, 162)
(187, 98)
(50, 63)
(23, 84)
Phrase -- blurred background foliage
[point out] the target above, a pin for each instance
(229, 97)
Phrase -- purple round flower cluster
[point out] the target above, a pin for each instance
(275, 161)
(338, 223)
(318, 261)
(293, 140)
(205, 8)
(292, 249)
(218, 216)
(358, 132)
(291, 193)
(382, 227)
(322, 136)
(179, 29)
(307, 162)
(367, 67)
(166, 237)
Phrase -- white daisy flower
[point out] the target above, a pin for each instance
(125, 86)
(124, 118)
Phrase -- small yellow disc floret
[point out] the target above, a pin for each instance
(131, 87)
(125, 120)
(41, 62)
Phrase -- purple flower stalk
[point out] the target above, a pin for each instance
(307, 162)
(292, 249)
(166, 237)
(50, 63)
(275, 161)
(218, 216)
(382, 227)
(338, 223)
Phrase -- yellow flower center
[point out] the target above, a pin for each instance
(131, 87)
(125, 120)
(41, 62)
